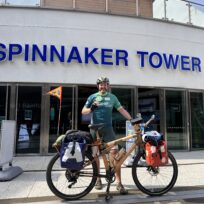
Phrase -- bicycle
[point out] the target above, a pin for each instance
(74, 184)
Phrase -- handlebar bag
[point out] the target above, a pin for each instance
(73, 148)
(156, 155)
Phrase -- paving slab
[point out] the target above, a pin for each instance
(31, 184)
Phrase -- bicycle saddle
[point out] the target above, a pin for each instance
(96, 126)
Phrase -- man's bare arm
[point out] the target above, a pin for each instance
(86, 110)
(125, 113)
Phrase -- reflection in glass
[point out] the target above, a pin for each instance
(148, 104)
(65, 116)
(176, 120)
(28, 119)
(83, 93)
(197, 120)
(2, 103)
(125, 96)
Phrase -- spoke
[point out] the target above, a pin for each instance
(152, 180)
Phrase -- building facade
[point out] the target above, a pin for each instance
(154, 67)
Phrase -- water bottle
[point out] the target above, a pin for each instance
(120, 154)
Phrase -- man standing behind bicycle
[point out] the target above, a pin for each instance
(101, 105)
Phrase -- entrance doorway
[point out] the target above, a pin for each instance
(149, 104)
(66, 115)
(28, 119)
(83, 93)
(197, 120)
(126, 98)
(176, 120)
(3, 103)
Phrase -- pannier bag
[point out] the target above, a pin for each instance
(73, 147)
(156, 155)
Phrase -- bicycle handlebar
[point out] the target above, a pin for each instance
(150, 120)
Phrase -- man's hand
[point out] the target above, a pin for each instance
(93, 106)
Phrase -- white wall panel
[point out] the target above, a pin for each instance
(38, 26)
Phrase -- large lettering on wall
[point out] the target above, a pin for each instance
(97, 56)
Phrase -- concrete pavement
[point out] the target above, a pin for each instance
(31, 186)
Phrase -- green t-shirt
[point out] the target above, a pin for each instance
(103, 113)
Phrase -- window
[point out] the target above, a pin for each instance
(28, 119)
(125, 96)
(197, 119)
(2, 103)
(176, 120)
(66, 115)
(83, 93)
(149, 104)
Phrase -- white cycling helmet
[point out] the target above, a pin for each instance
(102, 80)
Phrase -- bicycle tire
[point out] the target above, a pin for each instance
(59, 179)
(154, 181)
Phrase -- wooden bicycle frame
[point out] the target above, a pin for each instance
(110, 145)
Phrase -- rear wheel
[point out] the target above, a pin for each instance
(71, 184)
(154, 181)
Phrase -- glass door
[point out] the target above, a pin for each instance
(149, 104)
(197, 120)
(176, 128)
(28, 119)
(83, 93)
(126, 98)
(66, 115)
(3, 103)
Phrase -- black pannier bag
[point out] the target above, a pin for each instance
(73, 148)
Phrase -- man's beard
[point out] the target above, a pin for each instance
(103, 91)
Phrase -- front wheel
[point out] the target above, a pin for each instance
(71, 184)
(154, 181)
